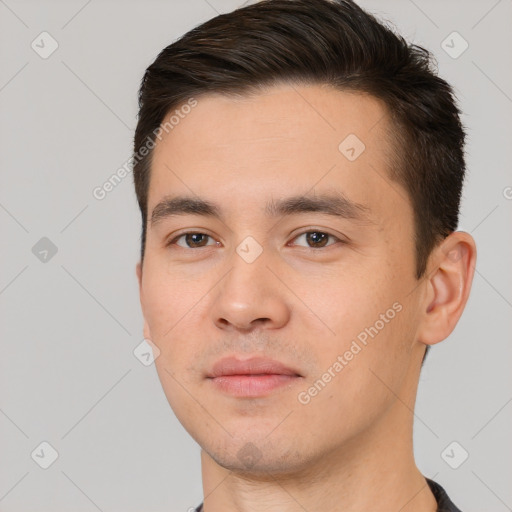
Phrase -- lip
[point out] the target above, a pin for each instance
(253, 377)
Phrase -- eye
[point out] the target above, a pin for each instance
(192, 240)
(317, 239)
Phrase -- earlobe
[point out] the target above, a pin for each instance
(449, 283)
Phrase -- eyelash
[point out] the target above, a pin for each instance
(174, 240)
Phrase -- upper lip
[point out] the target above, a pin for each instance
(253, 366)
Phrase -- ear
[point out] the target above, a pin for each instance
(138, 271)
(449, 279)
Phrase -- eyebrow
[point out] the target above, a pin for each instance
(335, 204)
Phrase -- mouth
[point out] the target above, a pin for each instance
(254, 377)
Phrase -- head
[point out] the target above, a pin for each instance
(311, 137)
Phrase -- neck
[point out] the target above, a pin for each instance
(374, 471)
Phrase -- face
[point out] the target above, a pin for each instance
(278, 280)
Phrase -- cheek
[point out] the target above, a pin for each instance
(179, 392)
(174, 312)
(357, 369)
(169, 299)
(346, 302)
(360, 323)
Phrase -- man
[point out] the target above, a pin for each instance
(299, 167)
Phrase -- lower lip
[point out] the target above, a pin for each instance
(252, 385)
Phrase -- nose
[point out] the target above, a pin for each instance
(250, 296)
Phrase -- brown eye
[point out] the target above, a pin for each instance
(192, 240)
(317, 239)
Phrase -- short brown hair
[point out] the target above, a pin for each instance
(332, 42)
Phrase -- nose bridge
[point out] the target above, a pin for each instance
(250, 255)
(248, 275)
(250, 291)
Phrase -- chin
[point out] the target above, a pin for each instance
(258, 458)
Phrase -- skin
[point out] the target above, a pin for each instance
(350, 447)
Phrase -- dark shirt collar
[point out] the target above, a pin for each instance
(444, 503)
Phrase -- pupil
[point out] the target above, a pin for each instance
(317, 239)
(195, 239)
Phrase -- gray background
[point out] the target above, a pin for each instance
(70, 324)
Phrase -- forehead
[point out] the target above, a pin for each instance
(290, 114)
(287, 139)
